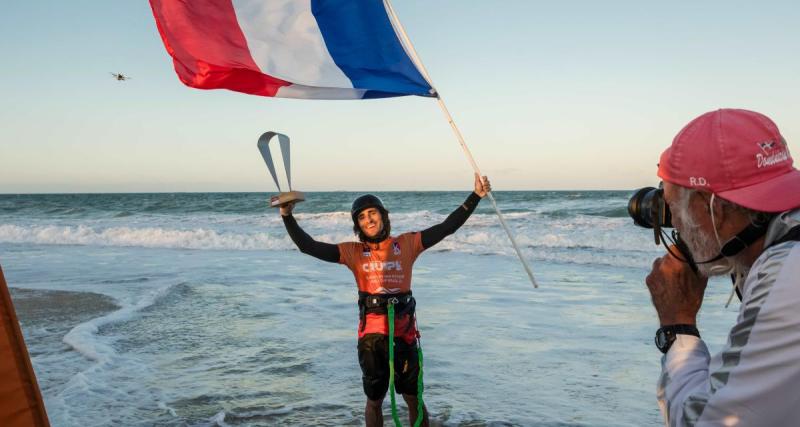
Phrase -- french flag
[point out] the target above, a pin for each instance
(313, 49)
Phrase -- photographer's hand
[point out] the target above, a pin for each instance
(676, 290)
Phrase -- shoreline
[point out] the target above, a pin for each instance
(57, 310)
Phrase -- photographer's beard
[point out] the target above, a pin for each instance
(703, 244)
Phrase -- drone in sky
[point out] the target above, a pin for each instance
(120, 77)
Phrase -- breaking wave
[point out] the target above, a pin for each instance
(148, 237)
(481, 235)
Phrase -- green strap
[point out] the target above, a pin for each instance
(391, 366)
(420, 405)
(392, 398)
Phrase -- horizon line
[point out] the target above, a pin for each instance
(274, 192)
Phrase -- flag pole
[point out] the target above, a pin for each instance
(414, 57)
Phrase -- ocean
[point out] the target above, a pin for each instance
(196, 309)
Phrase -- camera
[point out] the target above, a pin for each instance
(648, 208)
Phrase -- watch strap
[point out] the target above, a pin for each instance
(666, 335)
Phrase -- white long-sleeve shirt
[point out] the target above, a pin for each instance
(755, 379)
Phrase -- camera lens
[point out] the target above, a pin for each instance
(647, 208)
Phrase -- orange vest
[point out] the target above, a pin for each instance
(384, 268)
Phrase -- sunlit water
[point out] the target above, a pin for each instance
(195, 309)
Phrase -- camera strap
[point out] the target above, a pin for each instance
(745, 238)
(792, 235)
(733, 246)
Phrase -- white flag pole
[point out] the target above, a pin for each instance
(409, 47)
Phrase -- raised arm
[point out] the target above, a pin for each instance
(306, 244)
(455, 220)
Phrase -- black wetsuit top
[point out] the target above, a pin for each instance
(430, 236)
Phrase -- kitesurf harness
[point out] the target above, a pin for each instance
(404, 304)
(393, 305)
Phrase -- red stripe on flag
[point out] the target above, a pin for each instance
(208, 47)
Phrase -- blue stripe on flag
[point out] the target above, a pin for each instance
(362, 42)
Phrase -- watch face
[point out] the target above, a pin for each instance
(664, 339)
(661, 339)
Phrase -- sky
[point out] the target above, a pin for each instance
(570, 95)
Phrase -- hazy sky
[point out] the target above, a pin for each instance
(549, 95)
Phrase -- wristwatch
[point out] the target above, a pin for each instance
(665, 335)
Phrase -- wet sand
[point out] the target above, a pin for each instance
(45, 317)
(60, 310)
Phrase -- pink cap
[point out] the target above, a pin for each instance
(738, 155)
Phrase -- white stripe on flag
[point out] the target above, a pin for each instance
(285, 42)
(307, 92)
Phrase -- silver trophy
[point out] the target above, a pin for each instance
(283, 197)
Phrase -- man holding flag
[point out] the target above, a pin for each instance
(313, 49)
(309, 49)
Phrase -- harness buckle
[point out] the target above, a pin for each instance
(393, 300)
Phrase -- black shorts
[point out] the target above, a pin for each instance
(373, 356)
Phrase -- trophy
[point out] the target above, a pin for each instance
(283, 197)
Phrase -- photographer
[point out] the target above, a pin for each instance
(734, 199)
